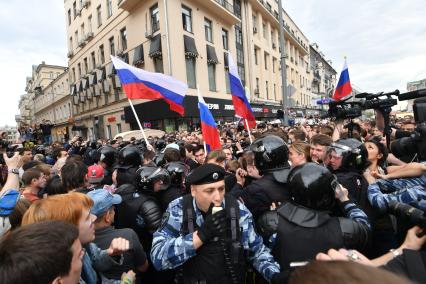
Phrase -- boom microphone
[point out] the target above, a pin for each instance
(412, 95)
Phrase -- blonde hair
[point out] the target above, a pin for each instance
(302, 148)
(63, 207)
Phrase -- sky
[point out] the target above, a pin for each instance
(384, 41)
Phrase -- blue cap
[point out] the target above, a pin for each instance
(8, 202)
(103, 200)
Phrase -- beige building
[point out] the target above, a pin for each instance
(53, 104)
(414, 86)
(188, 40)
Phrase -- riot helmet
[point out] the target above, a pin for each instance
(147, 176)
(353, 152)
(271, 155)
(108, 155)
(129, 156)
(310, 186)
(178, 171)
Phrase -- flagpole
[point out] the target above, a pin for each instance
(139, 123)
(205, 147)
(248, 129)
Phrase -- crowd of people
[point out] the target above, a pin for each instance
(316, 202)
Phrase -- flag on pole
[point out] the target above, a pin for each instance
(343, 87)
(140, 84)
(208, 126)
(241, 105)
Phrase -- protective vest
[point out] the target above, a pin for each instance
(218, 261)
(303, 232)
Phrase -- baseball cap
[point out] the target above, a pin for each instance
(103, 200)
(95, 174)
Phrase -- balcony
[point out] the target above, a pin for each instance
(127, 5)
(221, 8)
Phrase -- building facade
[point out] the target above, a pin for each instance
(188, 40)
(11, 135)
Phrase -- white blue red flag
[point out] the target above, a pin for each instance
(343, 87)
(140, 84)
(208, 126)
(241, 105)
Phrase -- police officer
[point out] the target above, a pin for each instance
(129, 161)
(206, 246)
(107, 159)
(271, 159)
(306, 226)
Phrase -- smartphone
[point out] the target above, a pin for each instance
(216, 209)
(337, 187)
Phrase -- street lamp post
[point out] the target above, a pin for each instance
(283, 66)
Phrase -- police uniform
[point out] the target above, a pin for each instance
(172, 249)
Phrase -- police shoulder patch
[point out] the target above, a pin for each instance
(164, 220)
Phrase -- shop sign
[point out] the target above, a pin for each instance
(111, 119)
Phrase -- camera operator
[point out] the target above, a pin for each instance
(407, 260)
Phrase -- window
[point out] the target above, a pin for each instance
(254, 22)
(76, 37)
(82, 30)
(71, 46)
(225, 40)
(111, 46)
(158, 65)
(257, 86)
(123, 37)
(99, 13)
(79, 69)
(255, 56)
(101, 54)
(93, 58)
(275, 92)
(264, 30)
(155, 18)
(118, 128)
(267, 89)
(69, 17)
(109, 135)
(73, 75)
(74, 9)
(211, 68)
(190, 72)
(187, 19)
(109, 7)
(89, 24)
(208, 30)
(266, 57)
(86, 65)
(274, 62)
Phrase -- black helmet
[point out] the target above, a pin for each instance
(130, 156)
(353, 152)
(160, 144)
(310, 186)
(271, 155)
(146, 177)
(91, 156)
(178, 171)
(108, 155)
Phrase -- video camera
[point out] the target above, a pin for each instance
(415, 145)
(344, 109)
(408, 213)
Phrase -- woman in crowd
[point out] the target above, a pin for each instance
(299, 153)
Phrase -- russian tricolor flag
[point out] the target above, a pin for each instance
(343, 87)
(208, 126)
(241, 105)
(140, 84)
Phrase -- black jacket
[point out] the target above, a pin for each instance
(260, 194)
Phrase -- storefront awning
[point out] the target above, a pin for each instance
(211, 55)
(73, 90)
(155, 48)
(225, 60)
(85, 84)
(190, 47)
(138, 57)
(78, 87)
(101, 75)
(78, 127)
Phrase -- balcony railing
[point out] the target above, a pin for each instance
(225, 4)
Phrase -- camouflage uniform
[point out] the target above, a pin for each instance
(170, 249)
(408, 190)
